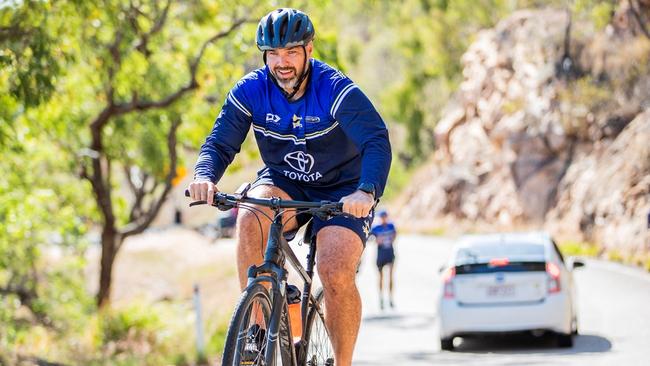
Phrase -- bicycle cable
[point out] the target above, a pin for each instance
(255, 211)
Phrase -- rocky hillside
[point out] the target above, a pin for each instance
(549, 129)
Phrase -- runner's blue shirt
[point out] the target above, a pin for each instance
(384, 235)
(331, 136)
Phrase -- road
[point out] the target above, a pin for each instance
(613, 310)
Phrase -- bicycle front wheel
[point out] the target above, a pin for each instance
(246, 338)
(319, 346)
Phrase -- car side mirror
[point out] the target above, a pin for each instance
(577, 263)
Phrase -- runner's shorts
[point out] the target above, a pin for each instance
(385, 256)
(361, 226)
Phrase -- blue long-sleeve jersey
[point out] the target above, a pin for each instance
(330, 136)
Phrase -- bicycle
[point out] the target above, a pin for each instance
(261, 324)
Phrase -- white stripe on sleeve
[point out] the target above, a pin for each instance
(340, 97)
(237, 104)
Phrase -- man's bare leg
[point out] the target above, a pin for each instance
(338, 253)
(251, 242)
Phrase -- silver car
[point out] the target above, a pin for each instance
(508, 282)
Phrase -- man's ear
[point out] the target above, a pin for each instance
(310, 49)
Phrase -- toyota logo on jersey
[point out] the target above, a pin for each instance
(302, 163)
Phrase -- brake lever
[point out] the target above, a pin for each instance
(224, 206)
(333, 209)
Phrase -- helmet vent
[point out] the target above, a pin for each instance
(269, 31)
(298, 27)
(283, 30)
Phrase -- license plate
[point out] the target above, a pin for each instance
(501, 291)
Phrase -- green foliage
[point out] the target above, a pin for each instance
(29, 54)
(41, 241)
(399, 178)
(58, 69)
(580, 101)
(414, 48)
(615, 255)
(587, 249)
(217, 339)
(131, 324)
(578, 248)
(438, 34)
(599, 12)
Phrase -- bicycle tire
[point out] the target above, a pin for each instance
(239, 349)
(317, 341)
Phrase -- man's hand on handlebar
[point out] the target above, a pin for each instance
(202, 190)
(358, 204)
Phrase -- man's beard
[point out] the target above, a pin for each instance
(288, 83)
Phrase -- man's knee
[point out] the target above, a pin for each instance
(247, 223)
(333, 276)
(339, 251)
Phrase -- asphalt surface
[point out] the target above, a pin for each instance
(613, 315)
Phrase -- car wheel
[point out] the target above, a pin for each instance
(447, 344)
(564, 340)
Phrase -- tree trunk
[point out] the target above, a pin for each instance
(111, 241)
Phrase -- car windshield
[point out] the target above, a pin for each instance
(514, 252)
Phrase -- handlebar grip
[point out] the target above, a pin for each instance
(197, 203)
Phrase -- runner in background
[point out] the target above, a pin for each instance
(385, 234)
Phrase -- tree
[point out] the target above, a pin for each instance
(37, 211)
(147, 57)
(110, 85)
(152, 59)
(28, 58)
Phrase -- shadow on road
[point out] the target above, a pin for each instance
(504, 350)
(530, 344)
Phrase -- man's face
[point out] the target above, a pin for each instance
(287, 64)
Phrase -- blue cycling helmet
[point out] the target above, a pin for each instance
(283, 28)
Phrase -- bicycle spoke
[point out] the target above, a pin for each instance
(319, 346)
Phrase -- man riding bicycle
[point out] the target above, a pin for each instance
(320, 138)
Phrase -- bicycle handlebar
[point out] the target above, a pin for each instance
(224, 201)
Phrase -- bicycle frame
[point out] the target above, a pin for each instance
(272, 270)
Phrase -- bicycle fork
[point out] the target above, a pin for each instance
(279, 335)
(273, 271)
